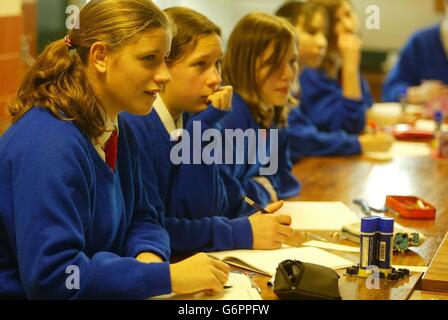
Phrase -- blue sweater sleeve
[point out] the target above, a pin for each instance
(188, 234)
(323, 102)
(306, 140)
(145, 233)
(283, 181)
(239, 177)
(209, 234)
(197, 178)
(50, 224)
(404, 74)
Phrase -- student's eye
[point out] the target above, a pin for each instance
(200, 64)
(151, 57)
(218, 65)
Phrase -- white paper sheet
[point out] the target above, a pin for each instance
(266, 261)
(318, 215)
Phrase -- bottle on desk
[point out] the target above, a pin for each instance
(440, 144)
(385, 245)
(368, 244)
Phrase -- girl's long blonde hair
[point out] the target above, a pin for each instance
(248, 41)
(58, 79)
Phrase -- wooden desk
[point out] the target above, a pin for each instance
(344, 179)
(436, 278)
(428, 295)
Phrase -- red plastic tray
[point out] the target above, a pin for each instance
(411, 207)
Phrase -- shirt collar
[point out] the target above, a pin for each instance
(172, 126)
(110, 125)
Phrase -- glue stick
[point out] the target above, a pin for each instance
(368, 244)
(385, 245)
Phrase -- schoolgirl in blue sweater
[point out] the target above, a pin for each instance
(193, 196)
(261, 65)
(421, 73)
(75, 221)
(335, 97)
(310, 21)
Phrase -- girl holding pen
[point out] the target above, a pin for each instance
(193, 197)
(71, 184)
(261, 64)
(310, 21)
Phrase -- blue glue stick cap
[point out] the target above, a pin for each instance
(369, 224)
(386, 225)
(438, 116)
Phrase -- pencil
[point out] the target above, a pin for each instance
(253, 204)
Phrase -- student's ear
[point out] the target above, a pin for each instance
(98, 57)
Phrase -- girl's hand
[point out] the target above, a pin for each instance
(270, 231)
(350, 48)
(376, 142)
(148, 257)
(199, 273)
(222, 98)
(428, 90)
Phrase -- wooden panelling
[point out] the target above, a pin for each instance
(11, 29)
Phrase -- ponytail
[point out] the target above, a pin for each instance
(58, 79)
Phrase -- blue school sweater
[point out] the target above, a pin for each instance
(239, 177)
(192, 196)
(422, 58)
(63, 209)
(307, 140)
(322, 100)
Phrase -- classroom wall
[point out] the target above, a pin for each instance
(398, 18)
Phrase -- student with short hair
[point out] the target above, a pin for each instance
(73, 203)
(310, 21)
(193, 196)
(261, 64)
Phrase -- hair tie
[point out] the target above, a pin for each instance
(68, 42)
(70, 45)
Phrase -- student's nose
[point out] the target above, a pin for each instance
(321, 41)
(290, 72)
(163, 76)
(215, 78)
(350, 24)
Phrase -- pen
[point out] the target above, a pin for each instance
(253, 204)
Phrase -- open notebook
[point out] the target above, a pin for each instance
(318, 215)
(238, 287)
(266, 261)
